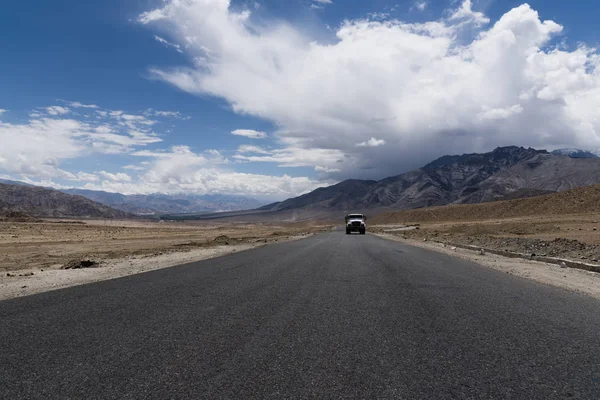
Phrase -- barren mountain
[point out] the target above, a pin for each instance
(542, 172)
(41, 202)
(168, 204)
(507, 172)
(581, 200)
(344, 195)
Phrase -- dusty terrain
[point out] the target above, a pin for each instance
(576, 280)
(34, 256)
(564, 224)
(574, 237)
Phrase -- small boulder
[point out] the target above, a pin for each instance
(79, 264)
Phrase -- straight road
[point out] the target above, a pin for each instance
(331, 316)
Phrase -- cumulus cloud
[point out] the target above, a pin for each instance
(328, 170)
(296, 157)
(57, 110)
(452, 85)
(38, 147)
(38, 150)
(249, 133)
(2, 111)
(373, 142)
(76, 104)
(420, 5)
(180, 170)
(116, 177)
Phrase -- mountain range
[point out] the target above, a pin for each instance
(506, 172)
(156, 204)
(24, 199)
(576, 153)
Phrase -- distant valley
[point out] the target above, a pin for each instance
(505, 173)
(156, 204)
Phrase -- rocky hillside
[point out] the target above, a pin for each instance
(168, 204)
(506, 172)
(574, 153)
(542, 172)
(581, 200)
(338, 197)
(42, 202)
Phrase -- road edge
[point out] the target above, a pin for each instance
(551, 274)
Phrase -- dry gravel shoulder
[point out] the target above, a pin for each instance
(34, 256)
(576, 280)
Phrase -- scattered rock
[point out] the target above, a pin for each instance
(563, 264)
(10, 275)
(27, 274)
(79, 264)
(482, 252)
(224, 239)
(453, 247)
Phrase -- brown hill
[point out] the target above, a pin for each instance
(42, 202)
(505, 173)
(581, 200)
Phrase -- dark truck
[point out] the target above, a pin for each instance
(356, 223)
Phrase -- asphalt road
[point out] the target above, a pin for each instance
(331, 316)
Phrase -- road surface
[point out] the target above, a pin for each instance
(331, 316)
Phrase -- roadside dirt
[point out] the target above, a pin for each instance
(51, 254)
(574, 237)
(576, 280)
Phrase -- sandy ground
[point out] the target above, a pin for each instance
(32, 254)
(549, 274)
(575, 237)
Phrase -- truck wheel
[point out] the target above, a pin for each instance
(362, 232)
(347, 232)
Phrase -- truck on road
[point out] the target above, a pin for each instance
(356, 223)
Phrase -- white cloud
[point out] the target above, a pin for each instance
(76, 104)
(252, 149)
(373, 142)
(297, 157)
(501, 113)
(180, 170)
(465, 13)
(87, 177)
(116, 177)
(320, 4)
(328, 170)
(2, 111)
(36, 149)
(426, 89)
(168, 44)
(249, 133)
(134, 167)
(167, 114)
(57, 110)
(420, 5)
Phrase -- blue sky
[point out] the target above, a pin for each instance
(338, 88)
